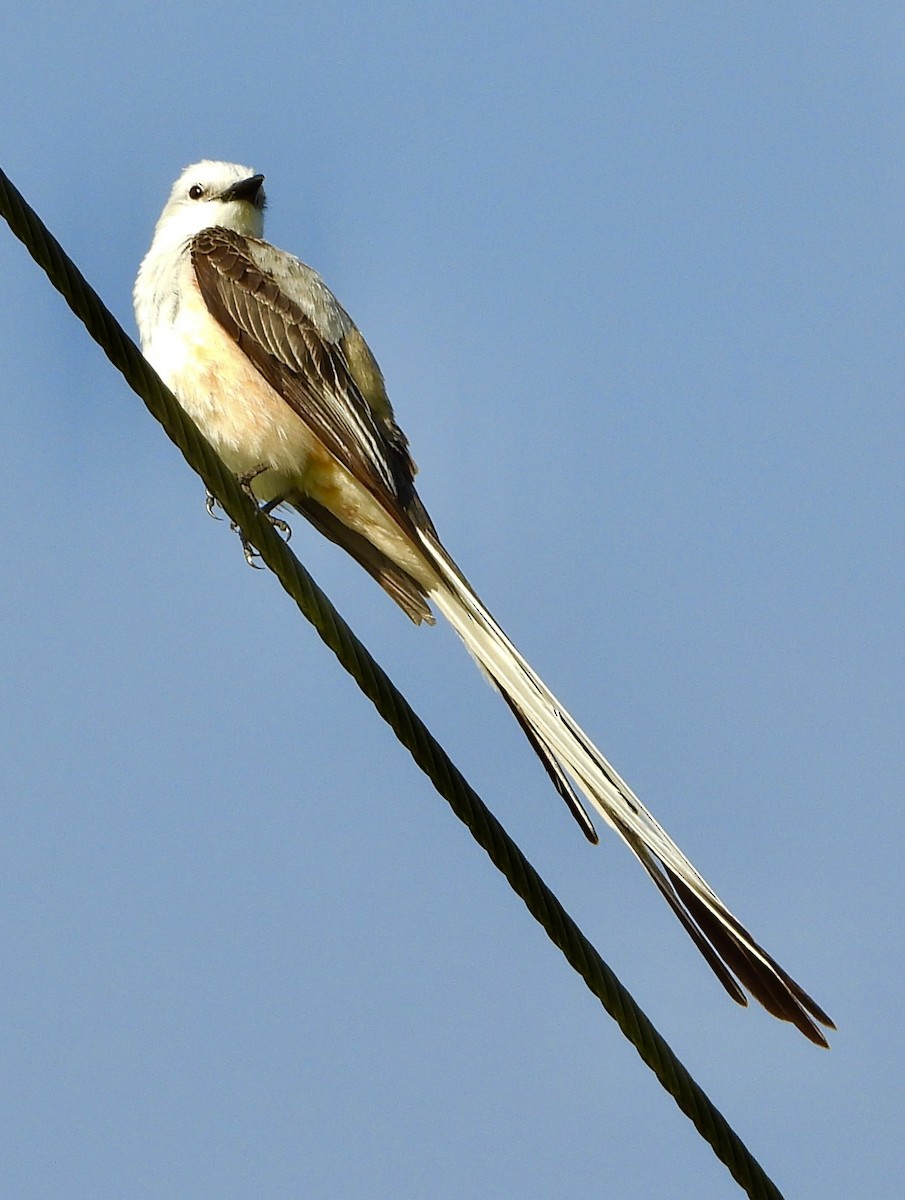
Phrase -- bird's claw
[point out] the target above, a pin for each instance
(279, 524)
(247, 548)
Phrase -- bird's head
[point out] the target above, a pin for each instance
(213, 193)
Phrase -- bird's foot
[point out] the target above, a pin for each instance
(245, 481)
(247, 548)
(281, 526)
(278, 523)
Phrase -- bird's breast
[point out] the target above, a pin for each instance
(235, 408)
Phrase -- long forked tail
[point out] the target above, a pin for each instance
(567, 753)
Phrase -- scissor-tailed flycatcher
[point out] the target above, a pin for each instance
(271, 368)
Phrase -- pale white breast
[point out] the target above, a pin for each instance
(245, 420)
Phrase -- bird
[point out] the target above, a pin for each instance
(279, 379)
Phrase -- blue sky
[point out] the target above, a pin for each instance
(633, 273)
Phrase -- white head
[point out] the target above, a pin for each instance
(212, 193)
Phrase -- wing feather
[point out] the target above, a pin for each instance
(293, 329)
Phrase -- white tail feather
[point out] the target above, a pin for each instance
(722, 939)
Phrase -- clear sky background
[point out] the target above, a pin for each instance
(634, 275)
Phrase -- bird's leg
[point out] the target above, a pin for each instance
(210, 503)
(246, 479)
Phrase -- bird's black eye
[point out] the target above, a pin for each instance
(196, 191)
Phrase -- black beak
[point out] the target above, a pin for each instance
(245, 189)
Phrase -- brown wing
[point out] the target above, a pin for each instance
(277, 327)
